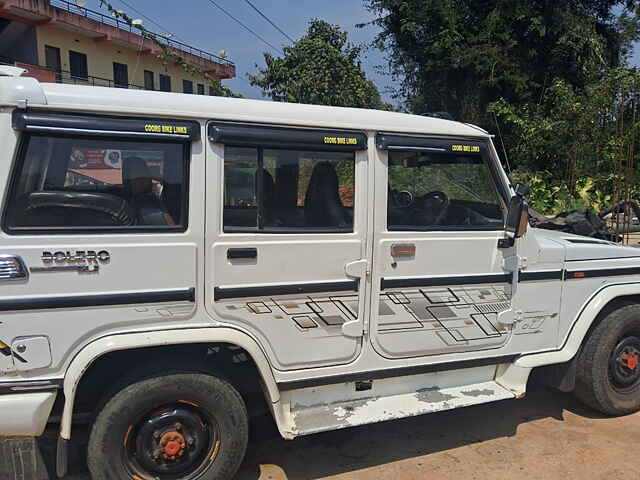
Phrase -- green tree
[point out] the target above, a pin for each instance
(320, 68)
(459, 56)
(578, 145)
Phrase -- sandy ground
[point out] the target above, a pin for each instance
(547, 435)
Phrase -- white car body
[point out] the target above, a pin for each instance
(179, 288)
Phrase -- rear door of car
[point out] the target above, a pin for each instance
(286, 228)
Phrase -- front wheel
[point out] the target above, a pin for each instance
(608, 373)
(180, 426)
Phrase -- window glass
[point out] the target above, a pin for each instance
(78, 65)
(149, 83)
(288, 190)
(120, 75)
(200, 89)
(165, 83)
(65, 182)
(433, 191)
(187, 86)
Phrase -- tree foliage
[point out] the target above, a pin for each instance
(320, 68)
(578, 145)
(459, 56)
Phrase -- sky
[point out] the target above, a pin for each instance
(202, 25)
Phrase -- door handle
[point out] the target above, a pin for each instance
(242, 253)
(403, 250)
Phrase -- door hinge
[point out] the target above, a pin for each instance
(357, 268)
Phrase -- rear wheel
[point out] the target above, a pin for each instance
(180, 426)
(608, 373)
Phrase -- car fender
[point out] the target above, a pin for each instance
(580, 326)
(90, 352)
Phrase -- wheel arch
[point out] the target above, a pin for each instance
(98, 348)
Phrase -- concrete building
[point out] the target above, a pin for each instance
(61, 41)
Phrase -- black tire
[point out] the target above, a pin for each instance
(598, 378)
(207, 412)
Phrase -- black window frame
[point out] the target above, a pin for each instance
(200, 88)
(149, 80)
(258, 229)
(162, 79)
(285, 137)
(74, 56)
(415, 144)
(187, 86)
(18, 166)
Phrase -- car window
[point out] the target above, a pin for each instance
(66, 183)
(431, 191)
(277, 190)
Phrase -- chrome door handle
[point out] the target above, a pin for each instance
(403, 250)
(12, 268)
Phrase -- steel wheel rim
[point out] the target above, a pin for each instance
(174, 441)
(624, 365)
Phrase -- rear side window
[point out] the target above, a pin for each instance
(281, 190)
(107, 184)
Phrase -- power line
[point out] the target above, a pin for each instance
(245, 27)
(150, 20)
(269, 20)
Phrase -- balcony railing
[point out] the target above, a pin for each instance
(121, 24)
(64, 76)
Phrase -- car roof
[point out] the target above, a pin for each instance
(176, 105)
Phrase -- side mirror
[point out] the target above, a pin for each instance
(517, 217)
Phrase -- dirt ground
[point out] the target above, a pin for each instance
(547, 435)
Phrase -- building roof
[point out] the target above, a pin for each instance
(198, 107)
(68, 16)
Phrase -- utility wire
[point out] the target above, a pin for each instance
(212, 2)
(269, 20)
(150, 20)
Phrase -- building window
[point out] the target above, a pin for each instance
(165, 83)
(52, 59)
(120, 75)
(200, 89)
(149, 83)
(78, 65)
(212, 92)
(187, 86)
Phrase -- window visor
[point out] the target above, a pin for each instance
(54, 122)
(390, 141)
(270, 136)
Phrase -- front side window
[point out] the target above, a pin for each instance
(440, 191)
(66, 183)
(281, 191)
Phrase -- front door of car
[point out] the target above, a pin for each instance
(439, 279)
(286, 224)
